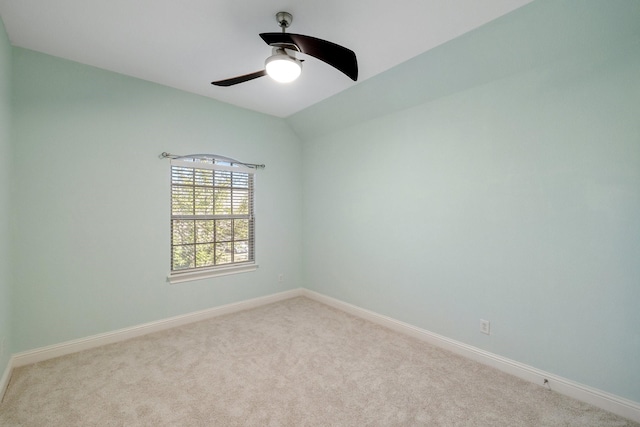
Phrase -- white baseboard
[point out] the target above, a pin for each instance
(609, 402)
(6, 377)
(68, 347)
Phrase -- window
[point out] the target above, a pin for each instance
(212, 223)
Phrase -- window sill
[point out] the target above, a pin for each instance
(187, 276)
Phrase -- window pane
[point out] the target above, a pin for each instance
(223, 201)
(240, 202)
(181, 175)
(240, 180)
(241, 251)
(204, 255)
(204, 177)
(203, 201)
(240, 229)
(224, 230)
(222, 179)
(223, 253)
(181, 200)
(204, 231)
(183, 232)
(183, 257)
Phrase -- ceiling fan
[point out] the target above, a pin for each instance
(283, 66)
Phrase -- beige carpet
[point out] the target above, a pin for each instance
(293, 363)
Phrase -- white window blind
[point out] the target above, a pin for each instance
(212, 222)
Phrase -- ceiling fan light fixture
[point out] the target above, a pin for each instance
(283, 68)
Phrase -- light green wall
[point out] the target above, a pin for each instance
(539, 33)
(92, 229)
(5, 189)
(515, 201)
(501, 184)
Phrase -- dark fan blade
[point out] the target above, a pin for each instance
(240, 79)
(335, 55)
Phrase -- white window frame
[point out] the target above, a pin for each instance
(195, 272)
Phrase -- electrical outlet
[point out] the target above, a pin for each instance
(280, 278)
(484, 326)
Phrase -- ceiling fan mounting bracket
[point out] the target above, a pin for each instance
(284, 19)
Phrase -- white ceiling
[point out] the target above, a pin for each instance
(187, 44)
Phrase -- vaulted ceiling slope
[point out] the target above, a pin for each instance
(532, 36)
(186, 45)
